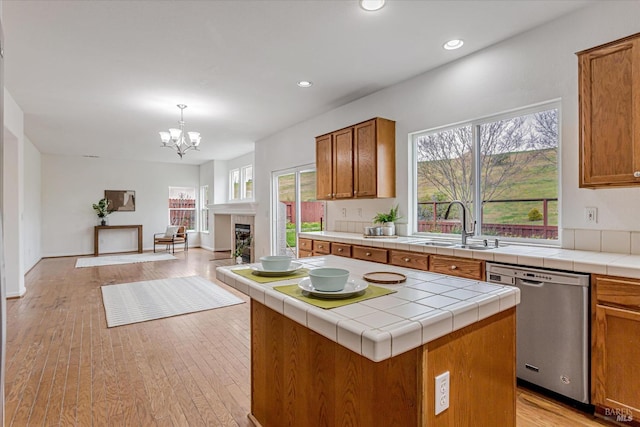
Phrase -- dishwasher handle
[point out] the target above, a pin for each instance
(532, 283)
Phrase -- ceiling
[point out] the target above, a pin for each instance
(101, 78)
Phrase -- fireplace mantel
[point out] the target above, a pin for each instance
(233, 208)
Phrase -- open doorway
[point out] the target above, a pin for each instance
(295, 208)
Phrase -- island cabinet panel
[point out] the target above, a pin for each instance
(302, 379)
(341, 249)
(609, 102)
(370, 254)
(409, 259)
(479, 359)
(454, 266)
(615, 353)
(321, 247)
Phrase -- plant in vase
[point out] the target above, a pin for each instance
(102, 210)
(241, 245)
(387, 220)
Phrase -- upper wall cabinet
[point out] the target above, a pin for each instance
(609, 98)
(357, 162)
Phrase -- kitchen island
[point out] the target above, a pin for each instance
(375, 362)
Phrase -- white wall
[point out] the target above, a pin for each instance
(70, 185)
(534, 67)
(32, 205)
(13, 196)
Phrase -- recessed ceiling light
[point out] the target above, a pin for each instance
(305, 83)
(371, 5)
(453, 44)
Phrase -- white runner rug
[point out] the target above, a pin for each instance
(154, 299)
(122, 259)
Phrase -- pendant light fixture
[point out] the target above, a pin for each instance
(176, 139)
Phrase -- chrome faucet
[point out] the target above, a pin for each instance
(464, 232)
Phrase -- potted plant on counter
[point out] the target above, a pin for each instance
(387, 220)
(102, 210)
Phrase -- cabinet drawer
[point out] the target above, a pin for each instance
(304, 254)
(370, 254)
(454, 266)
(305, 244)
(409, 259)
(341, 249)
(618, 291)
(321, 247)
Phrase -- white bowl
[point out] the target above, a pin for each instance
(329, 279)
(276, 262)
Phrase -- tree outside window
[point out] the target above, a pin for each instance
(513, 177)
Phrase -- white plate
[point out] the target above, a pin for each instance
(353, 287)
(259, 271)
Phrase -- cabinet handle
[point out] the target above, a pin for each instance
(368, 254)
(636, 174)
(407, 259)
(320, 246)
(329, 195)
(453, 267)
(339, 249)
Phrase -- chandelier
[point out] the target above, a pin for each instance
(176, 139)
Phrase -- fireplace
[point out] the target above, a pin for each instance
(243, 241)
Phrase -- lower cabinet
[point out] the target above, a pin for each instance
(341, 249)
(366, 253)
(409, 259)
(615, 352)
(454, 266)
(321, 247)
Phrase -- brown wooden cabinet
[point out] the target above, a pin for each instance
(341, 249)
(357, 162)
(454, 266)
(409, 259)
(366, 253)
(615, 352)
(321, 247)
(609, 102)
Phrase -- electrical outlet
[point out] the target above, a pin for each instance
(442, 392)
(591, 215)
(360, 212)
(344, 212)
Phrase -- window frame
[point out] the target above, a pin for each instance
(476, 171)
(204, 209)
(194, 209)
(244, 181)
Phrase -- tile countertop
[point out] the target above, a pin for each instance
(613, 264)
(425, 307)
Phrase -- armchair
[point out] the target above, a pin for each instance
(172, 236)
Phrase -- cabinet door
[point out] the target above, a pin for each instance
(343, 164)
(324, 168)
(609, 93)
(365, 165)
(616, 361)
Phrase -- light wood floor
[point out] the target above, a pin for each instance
(64, 367)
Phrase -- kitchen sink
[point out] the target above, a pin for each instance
(474, 247)
(436, 243)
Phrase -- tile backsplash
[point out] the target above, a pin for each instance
(623, 242)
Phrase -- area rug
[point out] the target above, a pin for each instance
(122, 259)
(155, 299)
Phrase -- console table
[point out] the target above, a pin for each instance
(97, 229)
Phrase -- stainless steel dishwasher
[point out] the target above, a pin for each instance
(552, 327)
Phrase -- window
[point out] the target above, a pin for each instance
(234, 184)
(241, 183)
(504, 168)
(204, 209)
(247, 182)
(182, 207)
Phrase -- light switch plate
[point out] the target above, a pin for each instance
(591, 215)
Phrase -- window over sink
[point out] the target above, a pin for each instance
(504, 168)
